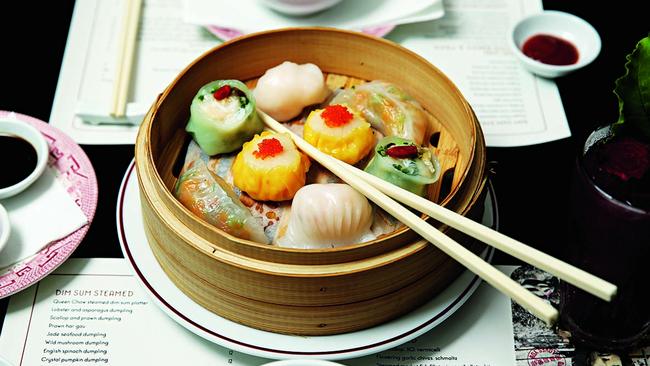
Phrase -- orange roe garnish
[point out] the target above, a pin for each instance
(268, 148)
(336, 115)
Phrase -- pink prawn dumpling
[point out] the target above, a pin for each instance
(283, 91)
(326, 216)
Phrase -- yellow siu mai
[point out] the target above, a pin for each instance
(270, 167)
(340, 132)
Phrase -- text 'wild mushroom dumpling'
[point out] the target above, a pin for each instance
(284, 90)
(327, 216)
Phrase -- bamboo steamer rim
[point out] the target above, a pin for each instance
(144, 135)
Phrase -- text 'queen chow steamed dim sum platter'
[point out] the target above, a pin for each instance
(246, 225)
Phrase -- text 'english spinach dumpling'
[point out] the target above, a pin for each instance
(388, 109)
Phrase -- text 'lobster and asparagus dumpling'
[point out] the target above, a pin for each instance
(270, 167)
(340, 132)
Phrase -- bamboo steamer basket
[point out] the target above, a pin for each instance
(298, 291)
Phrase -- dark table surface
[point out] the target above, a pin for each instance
(531, 182)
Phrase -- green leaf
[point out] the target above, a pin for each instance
(633, 92)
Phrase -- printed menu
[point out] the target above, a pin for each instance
(469, 44)
(95, 311)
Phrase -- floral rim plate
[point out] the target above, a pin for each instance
(272, 345)
(74, 170)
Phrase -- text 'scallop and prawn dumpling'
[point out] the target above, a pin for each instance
(326, 216)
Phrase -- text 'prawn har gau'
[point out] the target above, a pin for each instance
(284, 90)
(326, 216)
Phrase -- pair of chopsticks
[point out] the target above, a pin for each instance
(126, 52)
(379, 191)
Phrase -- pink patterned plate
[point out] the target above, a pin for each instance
(227, 34)
(74, 170)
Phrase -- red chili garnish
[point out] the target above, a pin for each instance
(222, 92)
(268, 148)
(336, 115)
(402, 152)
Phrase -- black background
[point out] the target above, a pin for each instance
(531, 183)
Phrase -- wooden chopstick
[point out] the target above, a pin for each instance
(471, 261)
(560, 269)
(126, 52)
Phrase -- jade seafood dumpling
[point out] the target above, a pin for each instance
(401, 162)
(223, 116)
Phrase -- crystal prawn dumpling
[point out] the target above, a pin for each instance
(327, 215)
(284, 90)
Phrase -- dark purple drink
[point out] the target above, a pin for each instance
(610, 226)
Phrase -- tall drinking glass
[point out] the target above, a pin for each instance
(610, 237)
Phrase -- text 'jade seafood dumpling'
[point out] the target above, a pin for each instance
(270, 167)
(388, 109)
(326, 216)
(401, 162)
(213, 200)
(223, 116)
(284, 90)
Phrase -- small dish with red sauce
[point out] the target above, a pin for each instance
(554, 43)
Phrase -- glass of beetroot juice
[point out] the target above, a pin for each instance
(610, 237)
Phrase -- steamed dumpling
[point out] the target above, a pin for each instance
(327, 215)
(389, 109)
(283, 91)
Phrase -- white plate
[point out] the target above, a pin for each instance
(272, 345)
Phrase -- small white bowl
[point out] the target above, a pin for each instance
(299, 7)
(561, 25)
(36, 139)
(5, 230)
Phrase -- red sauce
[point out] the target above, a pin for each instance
(550, 50)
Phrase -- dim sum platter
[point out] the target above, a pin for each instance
(74, 170)
(248, 340)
